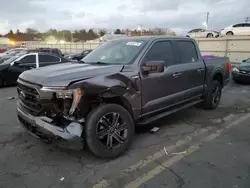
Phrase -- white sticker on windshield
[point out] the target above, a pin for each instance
(134, 43)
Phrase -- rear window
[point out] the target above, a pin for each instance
(187, 52)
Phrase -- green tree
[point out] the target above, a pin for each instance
(102, 32)
(91, 35)
(117, 31)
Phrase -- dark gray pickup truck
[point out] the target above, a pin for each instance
(122, 83)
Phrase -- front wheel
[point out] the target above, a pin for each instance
(213, 96)
(210, 35)
(230, 33)
(109, 130)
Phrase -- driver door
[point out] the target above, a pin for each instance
(159, 89)
(25, 63)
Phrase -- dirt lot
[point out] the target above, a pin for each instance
(193, 148)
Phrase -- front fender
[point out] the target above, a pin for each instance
(110, 86)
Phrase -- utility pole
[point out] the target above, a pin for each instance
(207, 19)
(140, 27)
(247, 19)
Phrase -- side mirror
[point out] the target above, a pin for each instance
(16, 63)
(244, 61)
(153, 67)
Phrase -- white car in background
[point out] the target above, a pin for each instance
(237, 29)
(12, 51)
(202, 33)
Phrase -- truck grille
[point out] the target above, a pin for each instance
(29, 99)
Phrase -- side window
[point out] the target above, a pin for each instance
(48, 58)
(28, 59)
(55, 52)
(238, 25)
(187, 52)
(246, 25)
(161, 51)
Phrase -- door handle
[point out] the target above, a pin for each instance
(200, 70)
(177, 74)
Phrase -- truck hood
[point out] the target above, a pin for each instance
(4, 66)
(66, 73)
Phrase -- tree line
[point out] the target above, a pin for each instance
(78, 35)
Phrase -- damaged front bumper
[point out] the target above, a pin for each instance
(43, 127)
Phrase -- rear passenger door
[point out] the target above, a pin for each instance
(191, 68)
(47, 59)
(159, 89)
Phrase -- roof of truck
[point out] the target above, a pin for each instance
(154, 37)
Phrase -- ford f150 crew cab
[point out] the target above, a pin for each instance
(122, 83)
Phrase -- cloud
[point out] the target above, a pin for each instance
(63, 14)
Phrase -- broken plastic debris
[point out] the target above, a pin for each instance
(62, 179)
(178, 153)
(165, 150)
(155, 129)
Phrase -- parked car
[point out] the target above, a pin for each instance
(14, 66)
(12, 51)
(122, 83)
(241, 73)
(202, 33)
(237, 29)
(51, 50)
(108, 37)
(78, 56)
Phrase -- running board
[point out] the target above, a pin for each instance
(166, 113)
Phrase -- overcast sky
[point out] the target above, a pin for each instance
(78, 14)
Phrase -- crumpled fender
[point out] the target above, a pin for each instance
(106, 86)
(115, 85)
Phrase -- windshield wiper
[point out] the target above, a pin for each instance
(98, 63)
(81, 61)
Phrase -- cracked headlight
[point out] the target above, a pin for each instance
(74, 94)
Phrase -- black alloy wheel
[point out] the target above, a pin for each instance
(109, 130)
(216, 95)
(112, 130)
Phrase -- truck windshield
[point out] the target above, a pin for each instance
(10, 60)
(122, 51)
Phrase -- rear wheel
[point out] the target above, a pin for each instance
(1, 82)
(213, 96)
(109, 130)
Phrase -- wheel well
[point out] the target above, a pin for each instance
(219, 78)
(210, 34)
(229, 32)
(120, 101)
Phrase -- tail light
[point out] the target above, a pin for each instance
(229, 66)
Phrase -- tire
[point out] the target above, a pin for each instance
(213, 96)
(230, 33)
(188, 36)
(1, 82)
(210, 35)
(100, 117)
